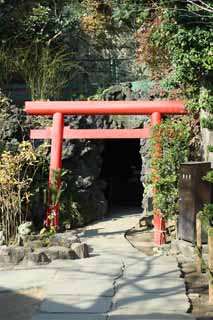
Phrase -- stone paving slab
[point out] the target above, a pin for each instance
(154, 260)
(148, 302)
(76, 304)
(155, 285)
(82, 287)
(111, 271)
(72, 316)
(147, 288)
(24, 279)
(145, 270)
(151, 316)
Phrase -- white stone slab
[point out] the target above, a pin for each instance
(146, 303)
(90, 272)
(151, 285)
(24, 279)
(146, 270)
(150, 316)
(82, 287)
(156, 260)
(70, 316)
(76, 304)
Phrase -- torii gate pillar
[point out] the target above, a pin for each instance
(56, 159)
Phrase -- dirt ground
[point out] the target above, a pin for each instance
(196, 284)
(20, 305)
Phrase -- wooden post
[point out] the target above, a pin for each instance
(199, 244)
(210, 262)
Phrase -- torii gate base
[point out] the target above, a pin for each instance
(58, 132)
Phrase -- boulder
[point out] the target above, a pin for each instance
(33, 245)
(64, 239)
(13, 254)
(81, 250)
(57, 252)
(39, 256)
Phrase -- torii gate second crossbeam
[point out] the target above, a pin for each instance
(58, 132)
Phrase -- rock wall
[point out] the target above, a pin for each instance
(84, 159)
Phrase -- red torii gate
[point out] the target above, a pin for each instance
(58, 132)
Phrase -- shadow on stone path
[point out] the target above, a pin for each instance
(116, 283)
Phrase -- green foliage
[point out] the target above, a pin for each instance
(69, 209)
(172, 137)
(71, 214)
(206, 100)
(210, 148)
(176, 41)
(209, 177)
(46, 71)
(206, 216)
(17, 172)
(207, 122)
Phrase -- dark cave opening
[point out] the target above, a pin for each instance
(121, 171)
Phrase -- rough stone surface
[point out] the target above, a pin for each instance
(57, 252)
(84, 158)
(33, 245)
(183, 247)
(81, 250)
(13, 254)
(61, 246)
(39, 256)
(64, 239)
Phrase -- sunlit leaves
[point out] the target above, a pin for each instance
(172, 136)
(16, 176)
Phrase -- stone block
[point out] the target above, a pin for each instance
(70, 316)
(39, 256)
(81, 250)
(58, 252)
(64, 239)
(13, 254)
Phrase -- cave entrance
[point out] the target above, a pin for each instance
(121, 170)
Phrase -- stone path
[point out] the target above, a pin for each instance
(116, 283)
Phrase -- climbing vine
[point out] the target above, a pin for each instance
(169, 147)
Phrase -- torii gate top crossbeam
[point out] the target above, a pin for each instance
(104, 107)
